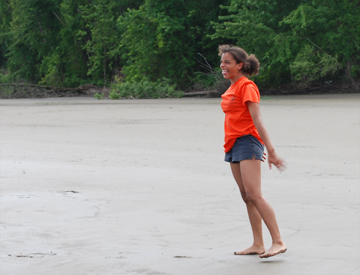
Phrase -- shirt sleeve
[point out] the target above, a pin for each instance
(250, 94)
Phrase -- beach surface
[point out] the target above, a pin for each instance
(140, 187)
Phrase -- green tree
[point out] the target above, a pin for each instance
(5, 20)
(162, 39)
(101, 36)
(61, 42)
(66, 65)
(33, 31)
(254, 26)
(296, 40)
(332, 30)
(156, 41)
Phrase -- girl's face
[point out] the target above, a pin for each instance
(230, 69)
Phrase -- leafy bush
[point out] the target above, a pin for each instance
(310, 65)
(99, 95)
(144, 89)
(5, 77)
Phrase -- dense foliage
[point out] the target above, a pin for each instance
(297, 40)
(67, 43)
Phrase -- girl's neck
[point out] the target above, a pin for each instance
(236, 78)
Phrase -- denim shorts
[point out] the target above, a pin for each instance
(245, 147)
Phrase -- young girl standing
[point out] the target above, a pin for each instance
(245, 137)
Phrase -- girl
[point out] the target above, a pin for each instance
(245, 137)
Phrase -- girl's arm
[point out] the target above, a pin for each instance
(254, 109)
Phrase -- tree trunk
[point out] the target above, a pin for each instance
(349, 76)
(104, 66)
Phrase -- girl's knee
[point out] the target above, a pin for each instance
(244, 197)
(253, 197)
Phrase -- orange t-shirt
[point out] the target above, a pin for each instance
(238, 121)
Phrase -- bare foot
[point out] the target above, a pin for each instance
(254, 249)
(274, 250)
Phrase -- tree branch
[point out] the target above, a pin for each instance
(316, 45)
(59, 19)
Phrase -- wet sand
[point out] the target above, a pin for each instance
(140, 187)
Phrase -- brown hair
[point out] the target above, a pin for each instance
(251, 63)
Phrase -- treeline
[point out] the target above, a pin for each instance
(67, 43)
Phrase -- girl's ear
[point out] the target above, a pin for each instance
(240, 65)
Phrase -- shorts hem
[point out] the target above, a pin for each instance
(244, 158)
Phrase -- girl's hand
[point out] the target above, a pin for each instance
(277, 161)
(263, 157)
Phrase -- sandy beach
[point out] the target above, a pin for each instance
(140, 187)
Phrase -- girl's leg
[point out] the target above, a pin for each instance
(251, 177)
(254, 216)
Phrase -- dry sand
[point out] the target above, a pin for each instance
(140, 187)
